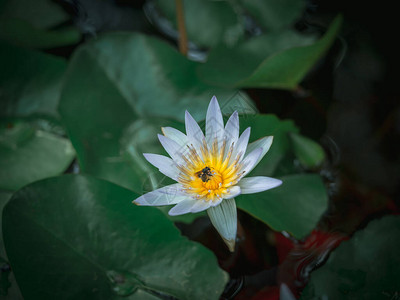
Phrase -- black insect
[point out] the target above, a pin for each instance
(205, 174)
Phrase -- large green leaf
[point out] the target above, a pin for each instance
(276, 60)
(30, 82)
(27, 155)
(150, 75)
(295, 206)
(86, 240)
(274, 14)
(30, 24)
(269, 125)
(365, 267)
(208, 23)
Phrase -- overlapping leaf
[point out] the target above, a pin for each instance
(90, 242)
(276, 60)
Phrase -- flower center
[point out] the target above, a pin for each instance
(208, 176)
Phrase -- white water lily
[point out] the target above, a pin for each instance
(209, 170)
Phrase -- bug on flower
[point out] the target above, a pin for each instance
(209, 169)
(205, 174)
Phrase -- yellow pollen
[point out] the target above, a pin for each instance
(207, 174)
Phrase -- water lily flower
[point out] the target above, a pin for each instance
(209, 170)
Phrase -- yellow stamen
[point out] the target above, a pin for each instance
(209, 176)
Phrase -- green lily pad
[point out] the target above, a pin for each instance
(365, 267)
(28, 154)
(89, 241)
(30, 82)
(222, 23)
(295, 207)
(277, 60)
(107, 134)
(150, 75)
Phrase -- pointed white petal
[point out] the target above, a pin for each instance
(250, 161)
(173, 149)
(264, 143)
(231, 133)
(258, 184)
(200, 205)
(224, 219)
(166, 195)
(194, 133)
(214, 122)
(241, 145)
(183, 207)
(164, 164)
(232, 192)
(232, 128)
(175, 135)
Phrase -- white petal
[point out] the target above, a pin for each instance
(173, 148)
(232, 128)
(183, 207)
(164, 164)
(241, 145)
(200, 205)
(233, 192)
(194, 133)
(250, 161)
(264, 143)
(175, 135)
(224, 219)
(258, 184)
(231, 133)
(214, 122)
(166, 195)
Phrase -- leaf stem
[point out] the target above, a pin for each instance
(182, 37)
